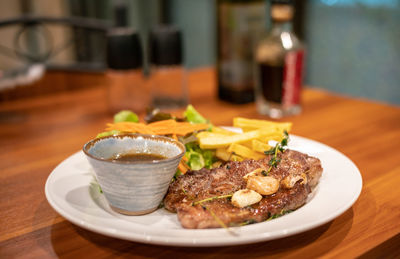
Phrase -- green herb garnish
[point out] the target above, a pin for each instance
(212, 198)
(283, 212)
(279, 147)
(96, 186)
(204, 207)
(247, 222)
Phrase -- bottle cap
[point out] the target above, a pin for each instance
(281, 10)
(165, 45)
(121, 14)
(288, 2)
(123, 49)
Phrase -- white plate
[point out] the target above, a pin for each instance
(69, 192)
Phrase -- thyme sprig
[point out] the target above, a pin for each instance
(279, 147)
(280, 214)
(216, 218)
(211, 199)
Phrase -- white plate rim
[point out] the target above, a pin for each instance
(215, 237)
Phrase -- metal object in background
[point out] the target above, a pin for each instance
(37, 25)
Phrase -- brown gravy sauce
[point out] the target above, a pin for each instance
(137, 157)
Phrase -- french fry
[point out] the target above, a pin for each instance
(247, 129)
(213, 142)
(253, 124)
(216, 132)
(206, 134)
(248, 144)
(277, 137)
(251, 144)
(224, 155)
(223, 131)
(244, 151)
(259, 146)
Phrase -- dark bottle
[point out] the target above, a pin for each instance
(240, 23)
(279, 65)
(167, 73)
(126, 85)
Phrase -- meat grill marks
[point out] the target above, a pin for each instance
(198, 185)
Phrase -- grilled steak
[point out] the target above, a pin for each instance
(196, 186)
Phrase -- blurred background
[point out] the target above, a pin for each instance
(352, 45)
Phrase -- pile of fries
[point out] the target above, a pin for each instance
(249, 144)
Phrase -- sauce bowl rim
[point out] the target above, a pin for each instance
(178, 144)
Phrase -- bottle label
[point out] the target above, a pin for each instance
(282, 84)
(292, 77)
(239, 27)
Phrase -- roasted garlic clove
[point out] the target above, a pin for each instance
(257, 172)
(265, 185)
(245, 197)
(290, 181)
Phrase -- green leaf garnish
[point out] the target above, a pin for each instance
(199, 158)
(193, 116)
(126, 115)
(107, 133)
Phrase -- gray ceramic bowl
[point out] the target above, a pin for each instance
(134, 188)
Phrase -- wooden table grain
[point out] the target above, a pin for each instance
(64, 110)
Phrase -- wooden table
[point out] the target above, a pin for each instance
(37, 133)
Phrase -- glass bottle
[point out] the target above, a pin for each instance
(239, 26)
(167, 73)
(279, 65)
(126, 85)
